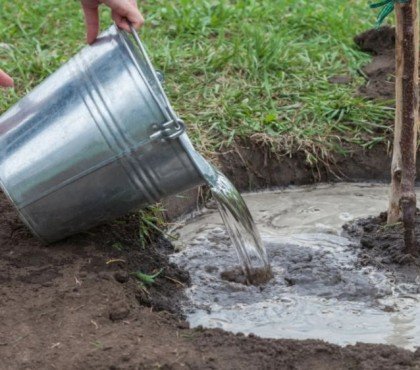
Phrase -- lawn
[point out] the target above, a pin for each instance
(232, 68)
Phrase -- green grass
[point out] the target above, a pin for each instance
(151, 223)
(232, 68)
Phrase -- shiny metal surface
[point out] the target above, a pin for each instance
(96, 139)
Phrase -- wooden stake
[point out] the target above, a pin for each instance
(402, 205)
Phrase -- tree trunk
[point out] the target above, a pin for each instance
(402, 205)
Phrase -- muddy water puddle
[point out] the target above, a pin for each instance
(319, 290)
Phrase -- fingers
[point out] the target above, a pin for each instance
(124, 13)
(123, 10)
(5, 80)
(92, 21)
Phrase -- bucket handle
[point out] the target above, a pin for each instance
(177, 125)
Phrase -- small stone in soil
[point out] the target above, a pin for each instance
(118, 312)
(104, 275)
(184, 325)
(121, 276)
(210, 269)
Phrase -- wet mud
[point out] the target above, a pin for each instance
(383, 244)
(320, 289)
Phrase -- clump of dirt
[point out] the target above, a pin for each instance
(340, 80)
(377, 41)
(258, 276)
(383, 244)
(380, 72)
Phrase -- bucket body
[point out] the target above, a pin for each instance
(95, 140)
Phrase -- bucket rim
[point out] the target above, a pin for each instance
(140, 59)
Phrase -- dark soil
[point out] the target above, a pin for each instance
(252, 164)
(74, 305)
(380, 72)
(382, 244)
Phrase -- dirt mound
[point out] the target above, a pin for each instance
(383, 244)
(381, 70)
(377, 41)
(60, 303)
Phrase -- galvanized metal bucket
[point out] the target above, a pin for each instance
(95, 140)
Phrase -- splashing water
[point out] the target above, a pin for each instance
(242, 229)
(238, 220)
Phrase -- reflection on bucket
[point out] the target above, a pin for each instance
(95, 140)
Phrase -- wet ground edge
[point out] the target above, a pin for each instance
(253, 166)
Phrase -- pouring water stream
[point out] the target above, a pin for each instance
(241, 229)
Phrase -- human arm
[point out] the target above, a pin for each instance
(122, 12)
